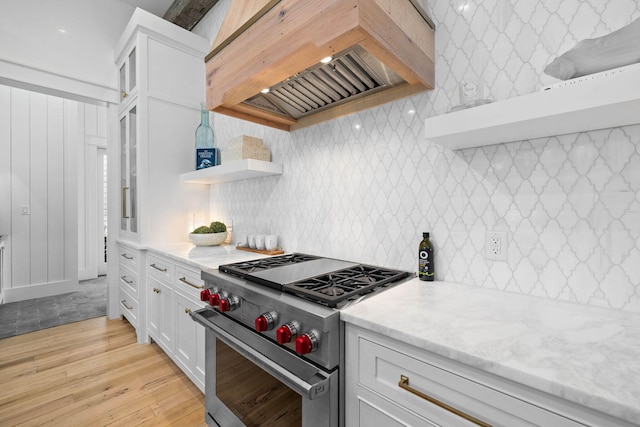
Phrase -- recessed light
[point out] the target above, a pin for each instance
(326, 60)
(62, 30)
(265, 90)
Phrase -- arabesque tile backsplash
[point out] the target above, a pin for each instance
(364, 187)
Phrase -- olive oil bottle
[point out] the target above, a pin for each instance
(425, 259)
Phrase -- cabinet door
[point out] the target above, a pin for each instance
(189, 348)
(128, 76)
(129, 170)
(160, 314)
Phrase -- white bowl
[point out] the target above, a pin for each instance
(211, 239)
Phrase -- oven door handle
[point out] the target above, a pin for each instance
(233, 334)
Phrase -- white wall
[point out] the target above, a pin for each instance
(38, 148)
(364, 187)
(62, 47)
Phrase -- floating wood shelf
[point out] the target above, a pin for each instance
(595, 103)
(232, 171)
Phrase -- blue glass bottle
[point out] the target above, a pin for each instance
(207, 154)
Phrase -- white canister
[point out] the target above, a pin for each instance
(242, 240)
(252, 241)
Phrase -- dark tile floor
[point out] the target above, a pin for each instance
(20, 317)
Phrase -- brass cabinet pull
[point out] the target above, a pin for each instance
(187, 310)
(125, 94)
(164, 270)
(125, 256)
(156, 290)
(404, 384)
(184, 280)
(125, 213)
(124, 302)
(128, 282)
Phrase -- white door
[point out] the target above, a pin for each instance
(101, 222)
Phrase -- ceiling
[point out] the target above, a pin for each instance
(157, 7)
(184, 13)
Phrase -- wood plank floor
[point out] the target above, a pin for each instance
(93, 373)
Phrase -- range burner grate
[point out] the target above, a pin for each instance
(333, 288)
(242, 269)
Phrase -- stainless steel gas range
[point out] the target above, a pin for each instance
(274, 342)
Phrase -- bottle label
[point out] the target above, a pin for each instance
(205, 158)
(425, 265)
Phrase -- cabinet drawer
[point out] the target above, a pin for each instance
(382, 367)
(129, 280)
(188, 281)
(128, 257)
(160, 267)
(129, 307)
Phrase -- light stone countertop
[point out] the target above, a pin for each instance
(200, 257)
(583, 354)
(204, 257)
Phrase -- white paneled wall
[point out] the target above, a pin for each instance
(364, 187)
(38, 192)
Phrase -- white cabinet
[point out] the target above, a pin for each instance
(130, 294)
(129, 171)
(189, 349)
(389, 383)
(128, 75)
(161, 74)
(159, 301)
(161, 77)
(189, 346)
(173, 292)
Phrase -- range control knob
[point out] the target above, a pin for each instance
(205, 294)
(307, 342)
(229, 303)
(265, 321)
(214, 299)
(287, 331)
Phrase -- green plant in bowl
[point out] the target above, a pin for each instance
(203, 230)
(218, 227)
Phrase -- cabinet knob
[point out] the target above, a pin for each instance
(156, 290)
(125, 94)
(187, 310)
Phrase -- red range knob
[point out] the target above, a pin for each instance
(265, 321)
(205, 294)
(214, 299)
(224, 305)
(287, 331)
(228, 304)
(307, 342)
(303, 344)
(283, 335)
(261, 324)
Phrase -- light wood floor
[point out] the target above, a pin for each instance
(93, 373)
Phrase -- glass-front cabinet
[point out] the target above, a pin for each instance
(129, 170)
(128, 77)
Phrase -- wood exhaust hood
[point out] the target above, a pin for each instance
(265, 63)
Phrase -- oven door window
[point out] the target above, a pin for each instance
(253, 395)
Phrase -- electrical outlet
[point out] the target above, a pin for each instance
(496, 245)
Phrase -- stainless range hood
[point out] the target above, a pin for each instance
(347, 77)
(265, 65)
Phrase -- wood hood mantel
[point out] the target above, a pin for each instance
(381, 50)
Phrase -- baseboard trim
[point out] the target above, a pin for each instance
(40, 290)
